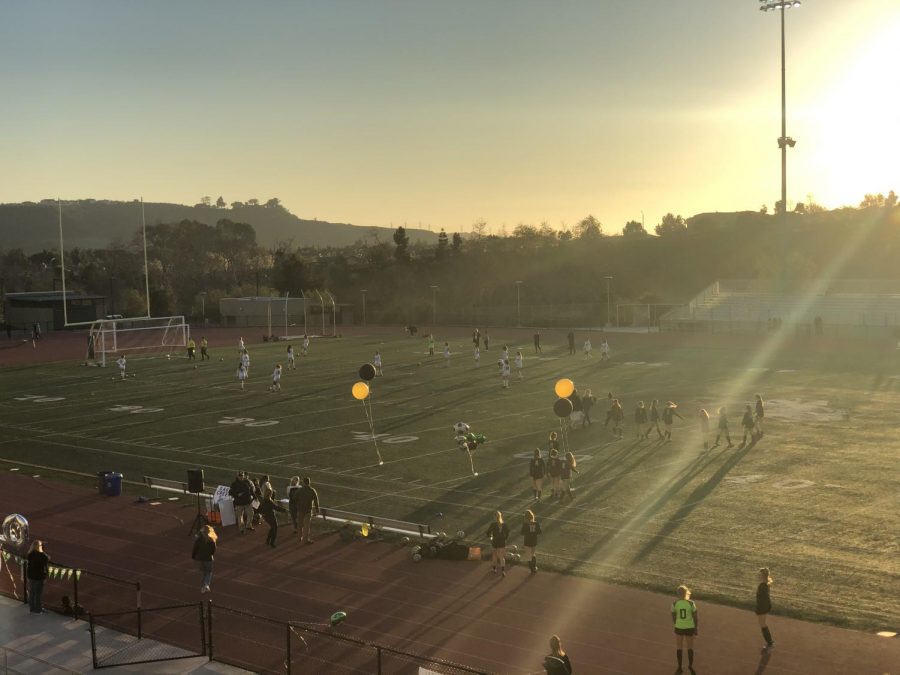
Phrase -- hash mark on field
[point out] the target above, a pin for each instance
(327, 468)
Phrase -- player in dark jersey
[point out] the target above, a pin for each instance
(723, 427)
(536, 469)
(498, 533)
(531, 528)
(764, 605)
(554, 469)
(568, 466)
(760, 414)
(748, 424)
(684, 616)
(654, 420)
(618, 417)
(557, 662)
(669, 416)
(640, 419)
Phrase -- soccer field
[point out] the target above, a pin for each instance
(816, 499)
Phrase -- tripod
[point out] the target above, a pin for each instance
(200, 520)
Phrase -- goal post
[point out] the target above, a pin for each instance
(108, 337)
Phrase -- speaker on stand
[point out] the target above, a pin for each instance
(195, 485)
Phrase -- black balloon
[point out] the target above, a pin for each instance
(367, 372)
(562, 407)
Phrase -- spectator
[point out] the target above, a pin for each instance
(537, 343)
(38, 568)
(267, 508)
(204, 552)
(242, 493)
(266, 487)
(292, 502)
(557, 662)
(307, 505)
(571, 337)
(257, 495)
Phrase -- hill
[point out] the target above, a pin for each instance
(90, 223)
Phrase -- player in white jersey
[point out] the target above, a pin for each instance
(241, 374)
(588, 349)
(276, 378)
(505, 354)
(520, 363)
(477, 355)
(121, 363)
(376, 361)
(446, 354)
(304, 348)
(504, 373)
(291, 363)
(241, 347)
(604, 350)
(245, 362)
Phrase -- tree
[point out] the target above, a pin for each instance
(401, 240)
(671, 224)
(273, 203)
(763, 209)
(800, 208)
(253, 202)
(872, 201)
(634, 229)
(588, 228)
(456, 246)
(891, 200)
(441, 251)
(237, 205)
(220, 202)
(479, 228)
(206, 201)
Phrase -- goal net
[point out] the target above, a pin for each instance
(108, 337)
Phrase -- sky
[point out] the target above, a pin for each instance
(442, 113)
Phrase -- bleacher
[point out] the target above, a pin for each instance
(837, 307)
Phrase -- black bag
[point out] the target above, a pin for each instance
(454, 551)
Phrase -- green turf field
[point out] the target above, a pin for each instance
(816, 499)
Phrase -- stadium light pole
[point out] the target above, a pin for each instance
(518, 304)
(434, 290)
(608, 280)
(364, 291)
(784, 141)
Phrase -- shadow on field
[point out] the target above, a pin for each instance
(693, 500)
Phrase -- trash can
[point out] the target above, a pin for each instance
(101, 481)
(113, 485)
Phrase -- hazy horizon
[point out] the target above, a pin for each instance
(440, 114)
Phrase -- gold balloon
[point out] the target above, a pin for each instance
(564, 388)
(360, 391)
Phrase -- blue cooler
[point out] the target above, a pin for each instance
(112, 486)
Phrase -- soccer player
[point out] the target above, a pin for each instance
(723, 427)
(304, 347)
(536, 469)
(276, 378)
(204, 356)
(241, 374)
(760, 414)
(587, 402)
(571, 339)
(477, 355)
(505, 353)
(537, 343)
(618, 416)
(122, 364)
(192, 349)
(764, 605)
(669, 416)
(554, 468)
(498, 532)
(245, 361)
(446, 355)
(504, 373)
(531, 528)
(703, 416)
(567, 467)
(604, 350)
(241, 347)
(684, 616)
(520, 362)
(588, 349)
(640, 419)
(291, 363)
(748, 423)
(430, 344)
(376, 361)
(654, 420)
(487, 342)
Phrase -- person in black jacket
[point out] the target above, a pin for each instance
(748, 423)
(242, 492)
(38, 567)
(499, 533)
(204, 553)
(557, 662)
(267, 508)
(554, 469)
(536, 469)
(531, 528)
(764, 605)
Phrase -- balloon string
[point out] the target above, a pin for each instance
(371, 420)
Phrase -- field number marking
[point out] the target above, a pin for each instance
(248, 421)
(37, 398)
(134, 409)
(384, 438)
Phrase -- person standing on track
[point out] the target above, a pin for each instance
(37, 567)
(498, 533)
(307, 506)
(292, 503)
(557, 662)
(764, 605)
(531, 528)
(204, 552)
(241, 492)
(684, 616)
(267, 508)
(536, 469)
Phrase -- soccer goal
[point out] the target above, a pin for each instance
(108, 337)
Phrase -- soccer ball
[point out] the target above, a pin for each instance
(168, 356)
(461, 428)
